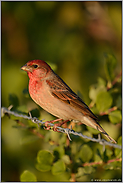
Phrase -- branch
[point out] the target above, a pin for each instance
(101, 162)
(63, 130)
(114, 81)
(108, 111)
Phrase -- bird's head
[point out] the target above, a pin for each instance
(36, 68)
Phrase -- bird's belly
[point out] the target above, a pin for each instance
(55, 106)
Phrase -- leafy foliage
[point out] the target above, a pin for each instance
(115, 116)
(103, 101)
(58, 167)
(44, 159)
(85, 153)
(28, 176)
(110, 66)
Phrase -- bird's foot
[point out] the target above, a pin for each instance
(58, 125)
(47, 127)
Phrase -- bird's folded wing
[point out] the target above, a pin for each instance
(60, 90)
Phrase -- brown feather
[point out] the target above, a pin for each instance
(61, 90)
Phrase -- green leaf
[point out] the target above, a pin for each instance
(103, 101)
(79, 176)
(35, 113)
(89, 170)
(87, 133)
(43, 167)
(119, 102)
(101, 82)
(59, 152)
(45, 159)
(80, 172)
(109, 152)
(93, 92)
(28, 176)
(22, 109)
(66, 159)
(105, 157)
(63, 177)
(118, 152)
(85, 153)
(13, 100)
(115, 116)
(75, 147)
(98, 155)
(58, 167)
(119, 140)
(97, 158)
(110, 64)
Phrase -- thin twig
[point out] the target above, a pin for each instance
(63, 130)
(108, 111)
(101, 162)
(114, 81)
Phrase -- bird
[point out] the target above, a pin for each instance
(51, 93)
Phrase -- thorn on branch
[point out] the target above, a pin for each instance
(101, 141)
(34, 119)
(67, 132)
(10, 107)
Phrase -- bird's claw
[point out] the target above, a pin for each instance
(47, 127)
(55, 129)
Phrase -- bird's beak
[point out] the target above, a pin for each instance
(26, 68)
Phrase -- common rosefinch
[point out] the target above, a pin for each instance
(50, 92)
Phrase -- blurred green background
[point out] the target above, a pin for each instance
(73, 38)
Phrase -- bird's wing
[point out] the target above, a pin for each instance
(62, 91)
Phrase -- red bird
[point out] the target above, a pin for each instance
(50, 92)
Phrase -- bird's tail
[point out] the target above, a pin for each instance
(94, 124)
(104, 132)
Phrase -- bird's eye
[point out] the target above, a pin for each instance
(35, 66)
